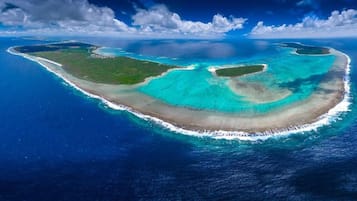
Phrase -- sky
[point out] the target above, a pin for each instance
(180, 18)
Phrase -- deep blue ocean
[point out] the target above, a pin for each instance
(57, 144)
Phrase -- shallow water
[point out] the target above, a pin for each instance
(56, 144)
(294, 76)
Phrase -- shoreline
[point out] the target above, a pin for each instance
(96, 52)
(213, 69)
(330, 115)
(246, 89)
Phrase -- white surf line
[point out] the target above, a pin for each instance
(325, 119)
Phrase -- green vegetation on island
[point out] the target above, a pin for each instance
(239, 71)
(79, 60)
(303, 49)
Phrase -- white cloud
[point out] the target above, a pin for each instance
(61, 17)
(160, 20)
(339, 24)
(13, 17)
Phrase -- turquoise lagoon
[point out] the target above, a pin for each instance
(195, 87)
(57, 144)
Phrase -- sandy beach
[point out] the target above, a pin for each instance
(331, 92)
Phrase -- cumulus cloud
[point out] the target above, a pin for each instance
(338, 24)
(159, 19)
(12, 17)
(81, 17)
(65, 16)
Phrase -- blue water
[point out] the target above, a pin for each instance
(298, 75)
(56, 144)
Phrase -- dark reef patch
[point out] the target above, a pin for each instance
(304, 49)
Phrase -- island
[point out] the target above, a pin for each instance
(239, 70)
(309, 50)
(120, 82)
(80, 60)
